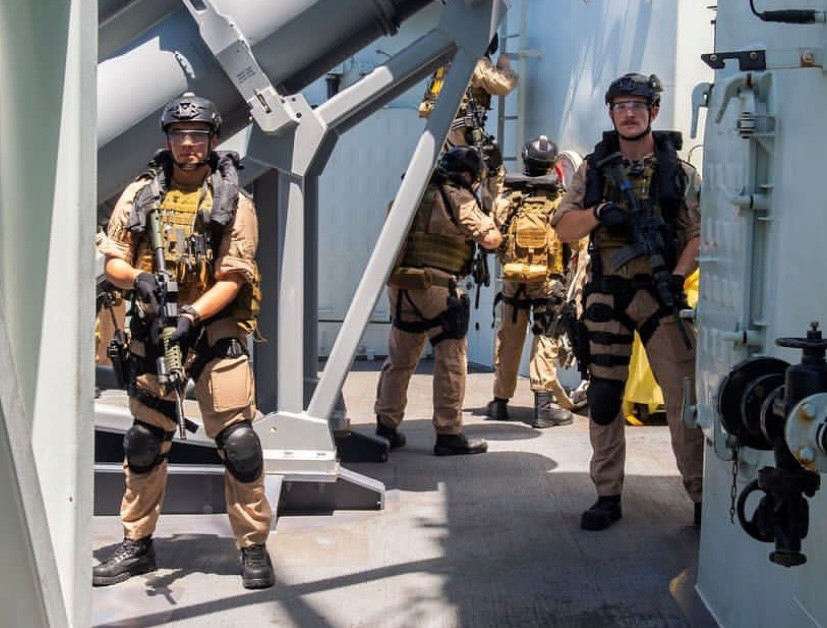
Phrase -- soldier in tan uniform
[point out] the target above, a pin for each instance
(488, 79)
(210, 236)
(622, 298)
(533, 263)
(426, 305)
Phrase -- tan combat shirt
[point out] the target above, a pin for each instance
(689, 217)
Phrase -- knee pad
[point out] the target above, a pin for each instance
(242, 451)
(142, 447)
(605, 398)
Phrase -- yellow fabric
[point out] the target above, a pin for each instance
(641, 387)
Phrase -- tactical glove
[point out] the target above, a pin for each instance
(146, 289)
(183, 331)
(492, 155)
(613, 218)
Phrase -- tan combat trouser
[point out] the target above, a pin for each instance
(671, 361)
(509, 347)
(226, 395)
(404, 351)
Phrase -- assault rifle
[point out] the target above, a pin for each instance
(647, 238)
(474, 123)
(170, 365)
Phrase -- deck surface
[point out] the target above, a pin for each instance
(487, 540)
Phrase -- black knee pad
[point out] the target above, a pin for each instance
(142, 447)
(242, 451)
(605, 398)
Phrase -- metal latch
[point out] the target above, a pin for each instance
(269, 109)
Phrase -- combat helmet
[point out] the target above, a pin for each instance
(462, 159)
(191, 108)
(634, 84)
(538, 155)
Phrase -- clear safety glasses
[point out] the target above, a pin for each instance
(635, 106)
(196, 137)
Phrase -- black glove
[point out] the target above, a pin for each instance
(183, 331)
(613, 217)
(491, 155)
(146, 289)
(676, 283)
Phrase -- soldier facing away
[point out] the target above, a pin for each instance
(533, 261)
(186, 211)
(634, 187)
(426, 304)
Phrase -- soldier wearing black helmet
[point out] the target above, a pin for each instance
(533, 262)
(621, 298)
(210, 234)
(426, 304)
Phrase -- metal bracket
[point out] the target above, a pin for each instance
(700, 98)
(748, 60)
(269, 109)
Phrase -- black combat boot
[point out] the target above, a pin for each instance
(603, 513)
(132, 558)
(498, 409)
(549, 414)
(458, 445)
(256, 567)
(394, 436)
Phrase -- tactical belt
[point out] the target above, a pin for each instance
(167, 408)
(424, 324)
(223, 348)
(519, 304)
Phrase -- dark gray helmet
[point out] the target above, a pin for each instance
(191, 108)
(634, 84)
(462, 159)
(539, 154)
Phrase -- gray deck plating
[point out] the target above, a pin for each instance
(489, 540)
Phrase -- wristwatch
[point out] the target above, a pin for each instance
(191, 312)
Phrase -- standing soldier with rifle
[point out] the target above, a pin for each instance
(638, 202)
(533, 262)
(426, 304)
(183, 239)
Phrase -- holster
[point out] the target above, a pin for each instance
(123, 365)
(454, 320)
